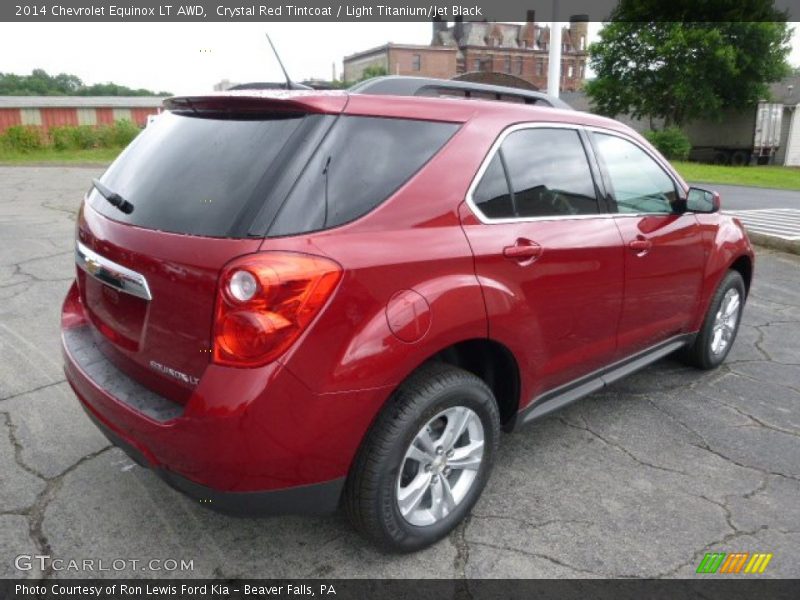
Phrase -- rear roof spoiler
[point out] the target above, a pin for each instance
(258, 102)
(394, 85)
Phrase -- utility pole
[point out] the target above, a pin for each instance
(554, 66)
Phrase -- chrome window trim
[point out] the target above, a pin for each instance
(490, 156)
(555, 125)
(111, 274)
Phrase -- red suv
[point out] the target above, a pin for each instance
(292, 301)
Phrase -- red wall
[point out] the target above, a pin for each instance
(139, 115)
(105, 116)
(9, 117)
(55, 117)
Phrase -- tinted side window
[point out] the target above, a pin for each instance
(640, 185)
(361, 163)
(492, 195)
(549, 175)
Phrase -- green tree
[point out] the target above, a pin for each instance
(40, 83)
(373, 71)
(653, 61)
(368, 73)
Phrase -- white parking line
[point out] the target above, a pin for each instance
(783, 223)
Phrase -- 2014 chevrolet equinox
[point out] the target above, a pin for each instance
(291, 301)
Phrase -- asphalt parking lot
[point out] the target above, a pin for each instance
(640, 480)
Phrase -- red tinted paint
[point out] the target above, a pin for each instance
(416, 276)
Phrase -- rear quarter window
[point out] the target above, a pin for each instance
(361, 163)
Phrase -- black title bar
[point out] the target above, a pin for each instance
(371, 10)
(407, 589)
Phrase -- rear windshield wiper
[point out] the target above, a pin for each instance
(113, 197)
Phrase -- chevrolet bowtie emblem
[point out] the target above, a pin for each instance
(92, 266)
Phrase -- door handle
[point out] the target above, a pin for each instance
(523, 251)
(640, 245)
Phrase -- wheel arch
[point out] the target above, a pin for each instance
(742, 263)
(488, 359)
(495, 365)
(744, 266)
(728, 249)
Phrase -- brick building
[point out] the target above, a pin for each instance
(517, 49)
(403, 59)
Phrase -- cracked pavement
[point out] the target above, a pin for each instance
(639, 480)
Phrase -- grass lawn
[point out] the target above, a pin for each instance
(94, 155)
(786, 178)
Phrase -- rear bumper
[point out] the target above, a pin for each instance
(247, 440)
(320, 498)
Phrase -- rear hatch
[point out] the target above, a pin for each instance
(198, 178)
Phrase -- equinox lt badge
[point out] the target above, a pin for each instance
(173, 373)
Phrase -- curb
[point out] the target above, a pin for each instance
(774, 243)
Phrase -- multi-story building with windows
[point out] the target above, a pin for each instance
(479, 47)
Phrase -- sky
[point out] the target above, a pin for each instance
(185, 58)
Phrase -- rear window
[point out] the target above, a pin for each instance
(361, 163)
(202, 176)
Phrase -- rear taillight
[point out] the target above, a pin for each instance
(264, 303)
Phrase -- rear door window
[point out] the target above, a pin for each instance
(361, 163)
(201, 176)
(546, 173)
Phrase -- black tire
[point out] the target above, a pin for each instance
(740, 158)
(700, 354)
(370, 499)
(721, 158)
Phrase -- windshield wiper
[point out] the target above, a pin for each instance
(113, 197)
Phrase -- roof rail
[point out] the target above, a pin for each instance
(395, 85)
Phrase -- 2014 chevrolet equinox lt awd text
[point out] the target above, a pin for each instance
(295, 301)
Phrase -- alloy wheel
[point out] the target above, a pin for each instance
(725, 322)
(440, 466)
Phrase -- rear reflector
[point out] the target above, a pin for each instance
(264, 303)
(72, 314)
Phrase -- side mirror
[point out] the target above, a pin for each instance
(702, 201)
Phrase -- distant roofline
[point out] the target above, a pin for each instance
(391, 45)
(539, 24)
(519, 49)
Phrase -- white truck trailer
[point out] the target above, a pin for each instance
(743, 137)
